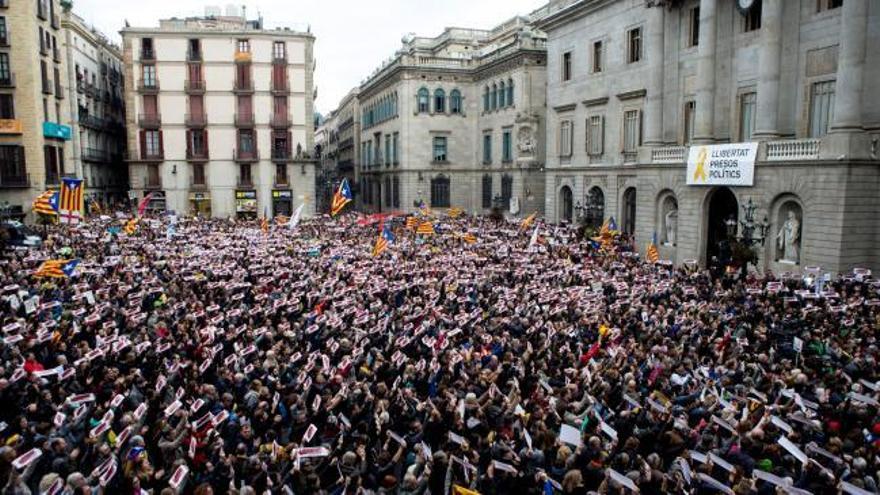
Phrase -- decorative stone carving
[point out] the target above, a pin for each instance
(525, 141)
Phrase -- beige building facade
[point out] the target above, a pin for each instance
(220, 116)
(34, 112)
(455, 120)
(634, 86)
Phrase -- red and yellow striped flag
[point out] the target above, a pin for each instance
(411, 222)
(264, 225)
(425, 228)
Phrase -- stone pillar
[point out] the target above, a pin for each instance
(767, 119)
(850, 67)
(704, 131)
(654, 106)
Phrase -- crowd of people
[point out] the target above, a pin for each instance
(213, 356)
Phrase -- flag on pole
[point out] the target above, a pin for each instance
(425, 228)
(56, 268)
(70, 202)
(411, 223)
(341, 198)
(296, 216)
(142, 206)
(652, 254)
(131, 226)
(527, 222)
(385, 238)
(47, 203)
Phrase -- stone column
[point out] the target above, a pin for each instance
(704, 131)
(850, 67)
(654, 106)
(767, 119)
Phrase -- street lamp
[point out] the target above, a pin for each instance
(752, 233)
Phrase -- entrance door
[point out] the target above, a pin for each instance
(723, 208)
(566, 204)
(629, 211)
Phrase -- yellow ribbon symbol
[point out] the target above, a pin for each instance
(700, 171)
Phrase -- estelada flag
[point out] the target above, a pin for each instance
(70, 202)
(382, 242)
(56, 268)
(47, 203)
(341, 198)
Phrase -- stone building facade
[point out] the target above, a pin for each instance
(220, 116)
(633, 85)
(455, 120)
(95, 85)
(34, 113)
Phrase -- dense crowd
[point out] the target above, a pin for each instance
(209, 356)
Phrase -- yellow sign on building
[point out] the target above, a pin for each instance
(10, 126)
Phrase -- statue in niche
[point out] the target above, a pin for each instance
(671, 220)
(525, 141)
(788, 238)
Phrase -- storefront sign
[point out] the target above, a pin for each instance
(282, 194)
(200, 196)
(246, 201)
(57, 131)
(10, 126)
(722, 165)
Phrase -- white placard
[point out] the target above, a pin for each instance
(722, 165)
(570, 435)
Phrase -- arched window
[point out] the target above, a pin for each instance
(494, 98)
(501, 94)
(423, 100)
(486, 99)
(487, 191)
(510, 92)
(439, 101)
(455, 101)
(440, 192)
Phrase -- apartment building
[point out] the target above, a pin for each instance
(638, 91)
(34, 116)
(95, 83)
(221, 115)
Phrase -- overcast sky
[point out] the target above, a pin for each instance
(352, 36)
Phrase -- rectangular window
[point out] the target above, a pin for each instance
(487, 191)
(244, 174)
(12, 165)
(279, 50)
(634, 45)
(565, 138)
(747, 115)
(487, 149)
(506, 147)
(690, 109)
(631, 131)
(199, 174)
(280, 173)
(4, 34)
(149, 73)
(198, 142)
(506, 190)
(752, 20)
(151, 143)
(595, 135)
(597, 56)
(246, 141)
(243, 46)
(50, 157)
(7, 107)
(440, 148)
(827, 4)
(5, 70)
(147, 49)
(440, 192)
(396, 192)
(566, 66)
(694, 24)
(394, 149)
(195, 50)
(821, 108)
(387, 149)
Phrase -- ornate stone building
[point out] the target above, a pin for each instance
(455, 120)
(637, 90)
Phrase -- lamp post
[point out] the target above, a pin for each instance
(751, 233)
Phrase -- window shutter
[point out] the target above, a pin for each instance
(205, 134)
(161, 144)
(602, 135)
(143, 142)
(189, 140)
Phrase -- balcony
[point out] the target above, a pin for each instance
(149, 120)
(15, 181)
(59, 91)
(44, 48)
(197, 155)
(56, 24)
(281, 154)
(244, 119)
(243, 86)
(148, 55)
(47, 87)
(630, 157)
(41, 12)
(148, 86)
(669, 154)
(244, 182)
(246, 156)
(91, 121)
(194, 87)
(152, 155)
(793, 150)
(200, 184)
(94, 155)
(243, 57)
(152, 183)
(194, 55)
(280, 87)
(56, 54)
(281, 121)
(281, 180)
(4, 40)
(196, 120)
(8, 82)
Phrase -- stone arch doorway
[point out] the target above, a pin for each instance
(628, 214)
(566, 204)
(723, 207)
